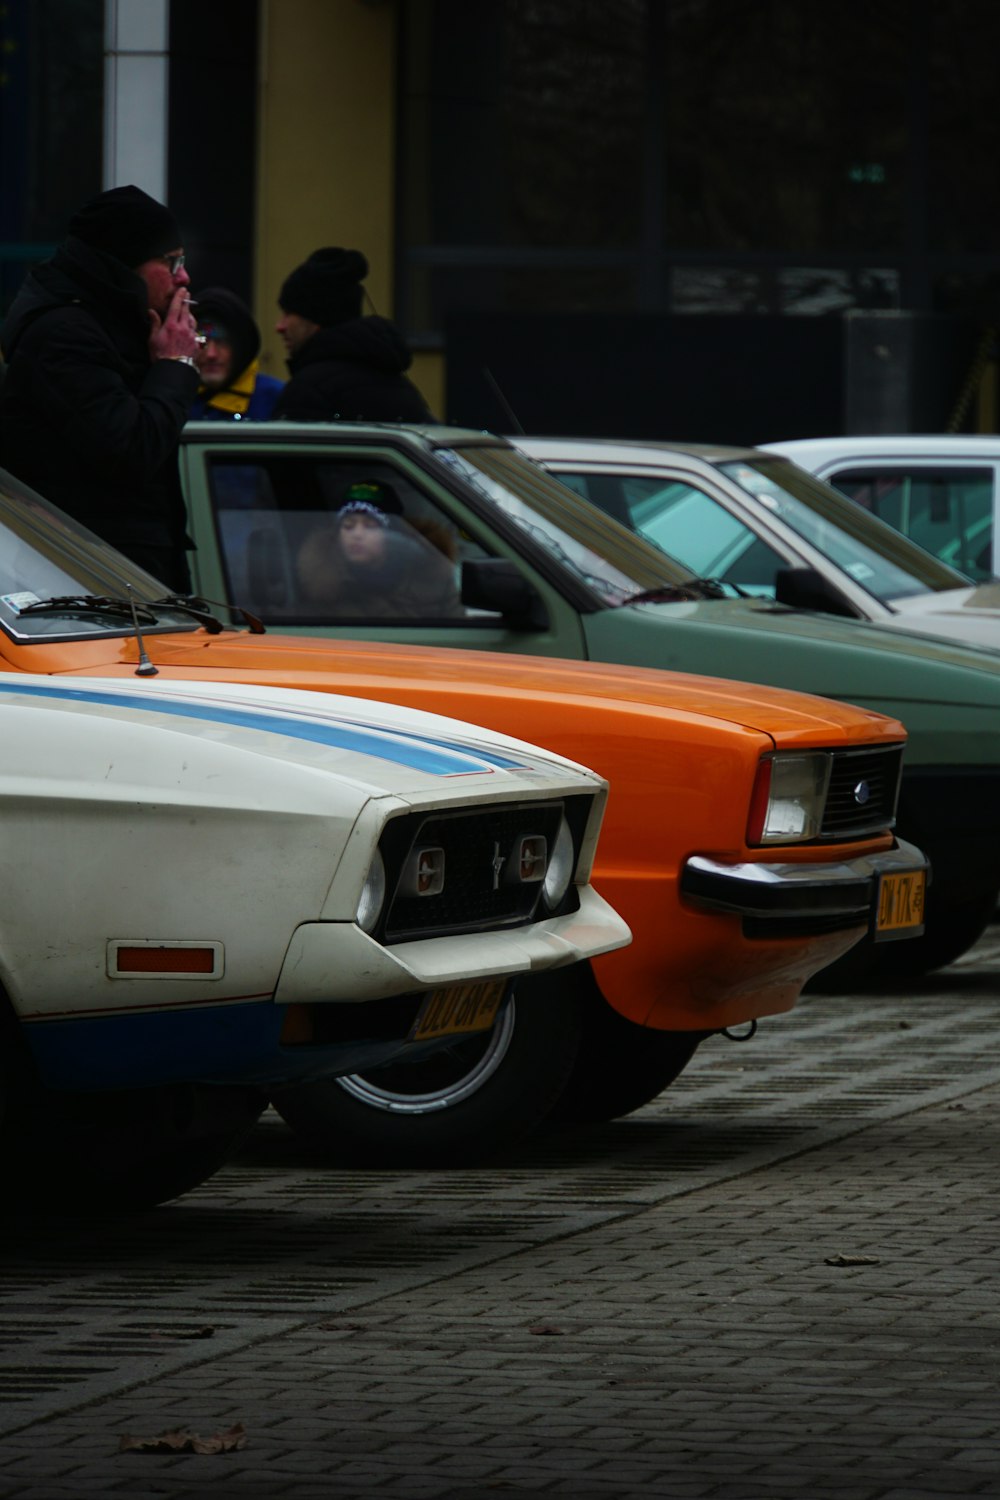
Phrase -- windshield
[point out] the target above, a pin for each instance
(45, 555)
(611, 561)
(883, 561)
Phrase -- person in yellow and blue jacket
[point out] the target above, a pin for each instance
(232, 387)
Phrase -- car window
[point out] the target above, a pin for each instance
(319, 539)
(948, 511)
(612, 562)
(688, 524)
(45, 555)
(884, 562)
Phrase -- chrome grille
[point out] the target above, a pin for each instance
(861, 797)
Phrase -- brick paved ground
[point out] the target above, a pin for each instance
(648, 1310)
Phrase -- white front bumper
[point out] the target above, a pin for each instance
(337, 962)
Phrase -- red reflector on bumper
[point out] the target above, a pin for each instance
(165, 960)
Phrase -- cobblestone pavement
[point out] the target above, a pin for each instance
(778, 1281)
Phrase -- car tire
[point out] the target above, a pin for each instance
(123, 1150)
(458, 1106)
(620, 1066)
(951, 929)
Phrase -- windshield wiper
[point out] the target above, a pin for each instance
(199, 608)
(107, 604)
(87, 604)
(690, 589)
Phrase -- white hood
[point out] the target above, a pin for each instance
(381, 747)
(971, 614)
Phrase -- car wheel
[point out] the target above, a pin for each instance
(455, 1107)
(950, 929)
(620, 1066)
(123, 1149)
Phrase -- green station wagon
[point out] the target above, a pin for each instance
(532, 568)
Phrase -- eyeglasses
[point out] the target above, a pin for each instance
(173, 263)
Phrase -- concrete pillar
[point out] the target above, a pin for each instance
(136, 69)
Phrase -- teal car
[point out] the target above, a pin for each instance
(536, 569)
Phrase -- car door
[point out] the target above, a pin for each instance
(699, 524)
(264, 517)
(684, 520)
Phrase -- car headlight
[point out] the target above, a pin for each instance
(561, 864)
(789, 799)
(372, 896)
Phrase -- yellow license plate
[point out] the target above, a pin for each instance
(901, 904)
(461, 1009)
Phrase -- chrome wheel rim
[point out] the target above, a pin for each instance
(488, 1053)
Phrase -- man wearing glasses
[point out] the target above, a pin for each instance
(233, 386)
(100, 351)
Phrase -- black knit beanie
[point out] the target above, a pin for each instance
(127, 223)
(326, 288)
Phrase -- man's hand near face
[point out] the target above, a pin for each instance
(173, 337)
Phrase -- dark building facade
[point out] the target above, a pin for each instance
(669, 204)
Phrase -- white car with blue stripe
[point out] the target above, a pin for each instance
(213, 891)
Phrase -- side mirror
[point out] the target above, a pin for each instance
(806, 588)
(498, 585)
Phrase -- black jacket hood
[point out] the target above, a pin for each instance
(233, 313)
(373, 342)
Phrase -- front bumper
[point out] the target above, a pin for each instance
(336, 961)
(796, 899)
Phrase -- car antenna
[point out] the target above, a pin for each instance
(145, 667)
(508, 410)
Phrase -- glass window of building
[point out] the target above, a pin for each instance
(51, 103)
(696, 156)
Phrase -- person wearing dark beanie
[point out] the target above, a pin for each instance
(233, 388)
(344, 366)
(99, 346)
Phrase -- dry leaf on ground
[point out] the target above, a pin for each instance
(180, 1441)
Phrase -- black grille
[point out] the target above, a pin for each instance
(476, 844)
(861, 798)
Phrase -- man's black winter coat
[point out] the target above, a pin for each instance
(352, 372)
(85, 417)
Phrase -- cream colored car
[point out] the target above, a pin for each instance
(940, 489)
(214, 891)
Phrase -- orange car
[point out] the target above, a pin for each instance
(747, 842)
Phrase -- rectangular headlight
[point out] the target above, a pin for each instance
(789, 798)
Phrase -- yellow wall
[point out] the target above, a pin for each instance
(326, 163)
